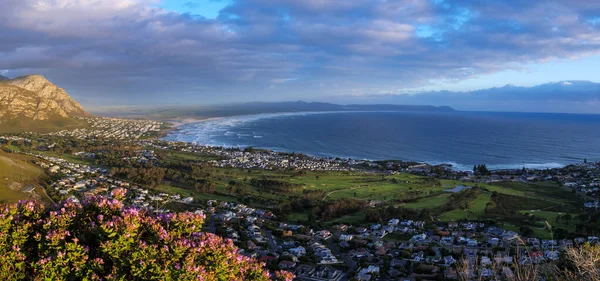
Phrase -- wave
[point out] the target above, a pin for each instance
(205, 132)
(430, 140)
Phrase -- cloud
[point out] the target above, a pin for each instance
(130, 51)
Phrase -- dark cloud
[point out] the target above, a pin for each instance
(127, 52)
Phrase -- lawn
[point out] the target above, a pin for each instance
(454, 215)
(355, 218)
(188, 192)
(185, 156)
(428, 202)
(477, 206)
(547, 191)
(476, 210)
(298, 217)
(550, 217)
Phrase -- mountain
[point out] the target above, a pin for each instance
(32, 103)
(281, 107)
(34, 97)
(2, 78)
(562, 96)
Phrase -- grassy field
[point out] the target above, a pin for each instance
(476, 210)
(529, 204)
(551, 218)
(428, 202)
(51, 125)
(16, 172)
(504, 202)
(355, 218)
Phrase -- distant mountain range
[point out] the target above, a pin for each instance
(281, 107)
(33, 99)
(563, 96)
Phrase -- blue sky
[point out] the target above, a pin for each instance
(206, 8)
(585, 69)
(156, 52)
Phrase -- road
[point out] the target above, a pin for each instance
(271, 241)
(212, 228)
(352, 265)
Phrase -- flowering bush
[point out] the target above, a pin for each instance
(100, 239)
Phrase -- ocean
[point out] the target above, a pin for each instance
(463, 139)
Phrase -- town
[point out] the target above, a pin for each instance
(394, 248)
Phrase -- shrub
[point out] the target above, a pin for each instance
(100, 239)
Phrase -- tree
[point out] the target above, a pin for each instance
(526, 231)
(567, 218)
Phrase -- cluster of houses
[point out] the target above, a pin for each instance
(396, 250)
(261, 159)
(113, 128)
(79, 180)
(399, 249)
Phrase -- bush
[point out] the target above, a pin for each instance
(100, 239)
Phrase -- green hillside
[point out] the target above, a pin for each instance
(41, 126)
(16, 174)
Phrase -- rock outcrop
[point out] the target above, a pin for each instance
(36, 98)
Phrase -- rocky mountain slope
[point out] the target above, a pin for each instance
(33, 97)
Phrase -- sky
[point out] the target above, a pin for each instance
(183, 52)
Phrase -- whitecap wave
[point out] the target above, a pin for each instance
(206, 132)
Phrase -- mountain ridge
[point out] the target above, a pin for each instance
(249, 108)
(567, 96)
(34, 97)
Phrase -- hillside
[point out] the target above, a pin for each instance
(2, 78)
(16, 174)
(33, 103)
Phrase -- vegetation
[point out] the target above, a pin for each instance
(319, 197)
(53, 124)
(102, 240)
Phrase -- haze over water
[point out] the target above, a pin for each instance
(500, 140)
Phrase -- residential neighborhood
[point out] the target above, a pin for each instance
(400, 248)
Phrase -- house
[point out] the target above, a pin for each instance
(485, 261)
(448, 240)
(552, 255)
(486, 273)
(345, 237)
(449, 260)
(323, 234)
(375, 226)
(298, 251)
(494, 242)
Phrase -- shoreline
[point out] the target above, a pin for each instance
(179, 122)
(454, 166)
